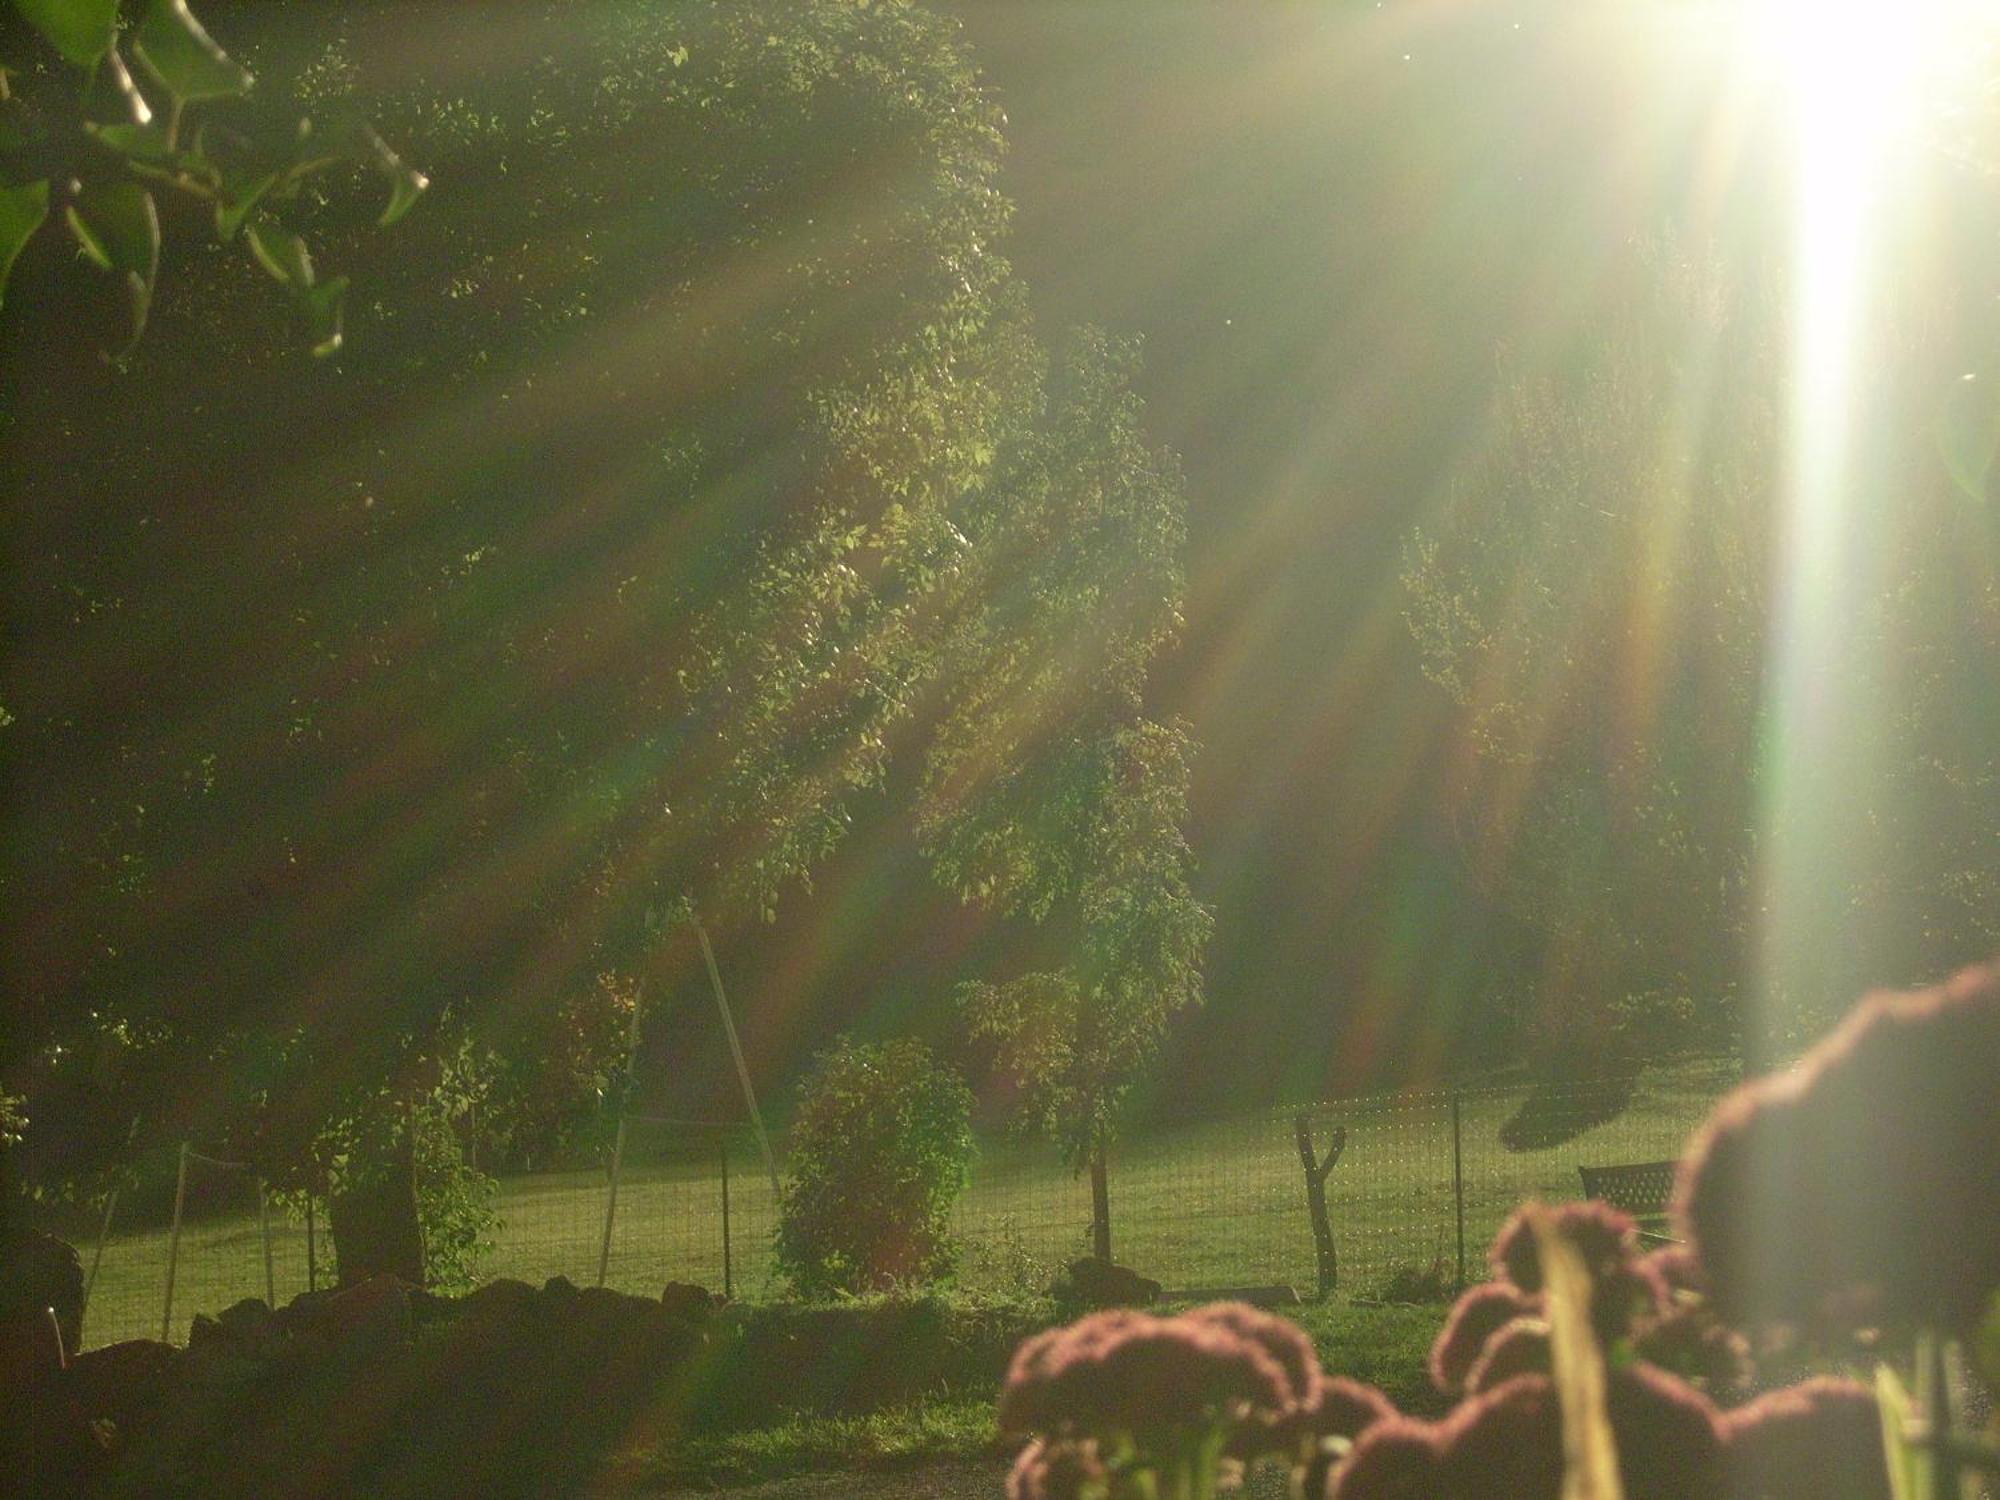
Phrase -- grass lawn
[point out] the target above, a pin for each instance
(950, 1438)
(1199, 1206)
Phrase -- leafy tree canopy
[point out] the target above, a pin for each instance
(691, 451)
(557, 602)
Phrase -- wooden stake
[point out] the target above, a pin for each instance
(736, 1051)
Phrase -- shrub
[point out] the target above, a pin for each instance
(879, 1152)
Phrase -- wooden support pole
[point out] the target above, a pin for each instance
(1325, 1257)
(728, 1286)
(264, 1229)
(1458, 1180)
(1100, 1201)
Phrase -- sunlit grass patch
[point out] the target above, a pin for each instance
(1198, 1206)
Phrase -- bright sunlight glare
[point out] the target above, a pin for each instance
(1861, 84)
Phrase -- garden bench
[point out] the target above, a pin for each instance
(1641, 1189)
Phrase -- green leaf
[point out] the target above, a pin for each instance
(118, 226)
(139, 142)
(322, 306)
(279, 252)
(81, 30)
(406, 185)
(1968, 434)
(236, 202)
(184, 57)
(22, 210)
(111, 97)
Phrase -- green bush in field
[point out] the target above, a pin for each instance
(880, 1149)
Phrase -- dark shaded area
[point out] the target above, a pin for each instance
(1554, 1112)
(511, 1390)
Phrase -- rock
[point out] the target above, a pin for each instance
(124, 1383)
(43, 1433)
(607, 1317)
(428, 1307)
(502, 1301)
(248, 1321)
(205, 1333)
(303, 1310)
(371, 1314)
(38, 1270)
(687, 1303)
(1095, 1283)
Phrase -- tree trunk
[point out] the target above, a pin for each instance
(374, 1219)
(1100, 1204)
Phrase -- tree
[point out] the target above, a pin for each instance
(594, 587)
(1048, 793)
(572, 602)
(1599, 601)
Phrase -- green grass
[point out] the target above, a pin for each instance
(1205, 1205)
(948, 1427)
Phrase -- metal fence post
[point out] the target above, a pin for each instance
(611, 1201)
(96, 1259)
(174, 1246)
(1458, 1180)
(728, 1284)
(264, 1229)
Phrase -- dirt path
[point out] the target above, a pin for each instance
(962, 1481)
(973, 1481)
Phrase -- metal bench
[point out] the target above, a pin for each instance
(1641, 1189)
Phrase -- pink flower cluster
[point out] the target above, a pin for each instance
(1121, 1372)
(1498, 1330)
(1135, 1385)
(1625, 1285)
(1862, 1187)
(1066, 1469)
(1821, 1439)
(1479, 1314)
(1507, 1442)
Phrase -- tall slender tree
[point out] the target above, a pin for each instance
(1049, 794)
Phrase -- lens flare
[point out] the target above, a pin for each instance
(1860, 85)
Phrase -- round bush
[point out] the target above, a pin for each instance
(879, 1152)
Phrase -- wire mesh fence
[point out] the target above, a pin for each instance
(1419, 1185)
